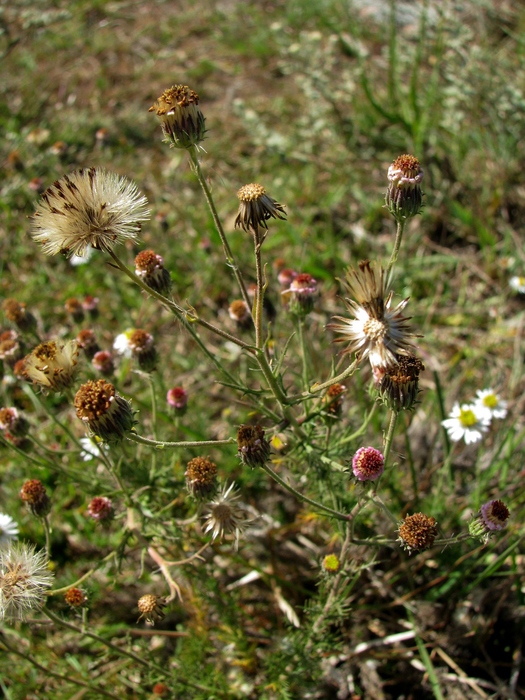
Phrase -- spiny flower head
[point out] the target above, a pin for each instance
(142, 347)
(225, 516)
(52, 365)
(103, 411)
(333, 400)
(399, 383)
(24, 578)
(150, 267)
(467, 421)
(331, 564)
(201, 477)
(88, 207)
(377, 332)
(417, 532)
(34, 494)
(76, 598)
(368, 464)
(177, 398)
(492, 517)
(151, 608)
(254, 448)
(181, 119)
(101, 508)
(8, 530)
(256, 207)
(404, 197)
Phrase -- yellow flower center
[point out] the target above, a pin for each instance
(490, 401)
(467, 417)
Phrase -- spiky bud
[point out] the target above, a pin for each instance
(103, 411)
(76, 598)
(34, 494)
(201, 477)
(254, 449)
(150, 608)
(101, 508)
(87, 341)
(404, 198)
(142, 347)
(256, 207)
(16, 312)
(301, 295)
(14, 422)
(492, 517)
(181, 119)
(150, 267)
(417, 532)
(399, 383)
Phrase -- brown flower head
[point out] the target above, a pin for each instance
(87, 340)
(404, 198)
(201, 477)
(417, 532)
(256, 207)
(150, 267)
(103, 411)
(399, 383)
(34, 494)
(150, 608)
(12, 420)
(239, 311)
(333, 400)
(10, 348)
(16, 312)
(52, 365)
(254, 448)
(76, 598)
(225, 516)
(142, 347)
(377, 331)
(101, 508)
(74, 308)
(181, 119)
(103, 362)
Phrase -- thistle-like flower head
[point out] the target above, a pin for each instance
(417, 532)
(225, 516)
(88, 207)
(52, 365)
(256, 207)
(24, 578)
(180, 117)
(378, 331)
(103, 411)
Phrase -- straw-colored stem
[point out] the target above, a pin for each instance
(160, 444)
(259, 294)
(397, 246)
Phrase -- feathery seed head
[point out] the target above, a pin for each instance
(225, 516)
(24, 578)
(8, 530)
(88, 208)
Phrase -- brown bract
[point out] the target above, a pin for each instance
(256, 207)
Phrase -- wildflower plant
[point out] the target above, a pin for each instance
(266, 431)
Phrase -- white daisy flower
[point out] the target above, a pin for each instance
(488, 400)
(122, 343)
(8, 529)
(466, 421)
(88, 207)
(91, 449)
(24, 577)
(517, 284)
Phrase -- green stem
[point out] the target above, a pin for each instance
(192, 152)
(153, 469)
(390, 435)
(360, 430)
(160, 444)
(335, 380)
(45, 523)
(259, 295)
(397, 246)
(302, 344)
(302, 497)
(64, 589)
(38, 402)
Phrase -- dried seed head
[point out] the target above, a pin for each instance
(177, 398)
(239, 311)
(254, 449)
(399, 383)
(368, 464)
(404, 198)
(103, 411)
(14, 422)
(24, 578)
(86, 340)
(201, 477)
(16, 312)
(101, 508)
(492, 516)
(150, 267)
(103, 362)
(76, 598)
(417, 532)
(150, 608)
(88, 208)
(225, 516)
(10, 348)
(34, 494)
(256, 207)
(52, 365)
(181, 119)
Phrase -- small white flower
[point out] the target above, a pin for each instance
(77, 260)
(24, 577)
(466, 421)
(91, 449)
(487, 400)
(8, 529)
(122, 344)
(517, 284)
